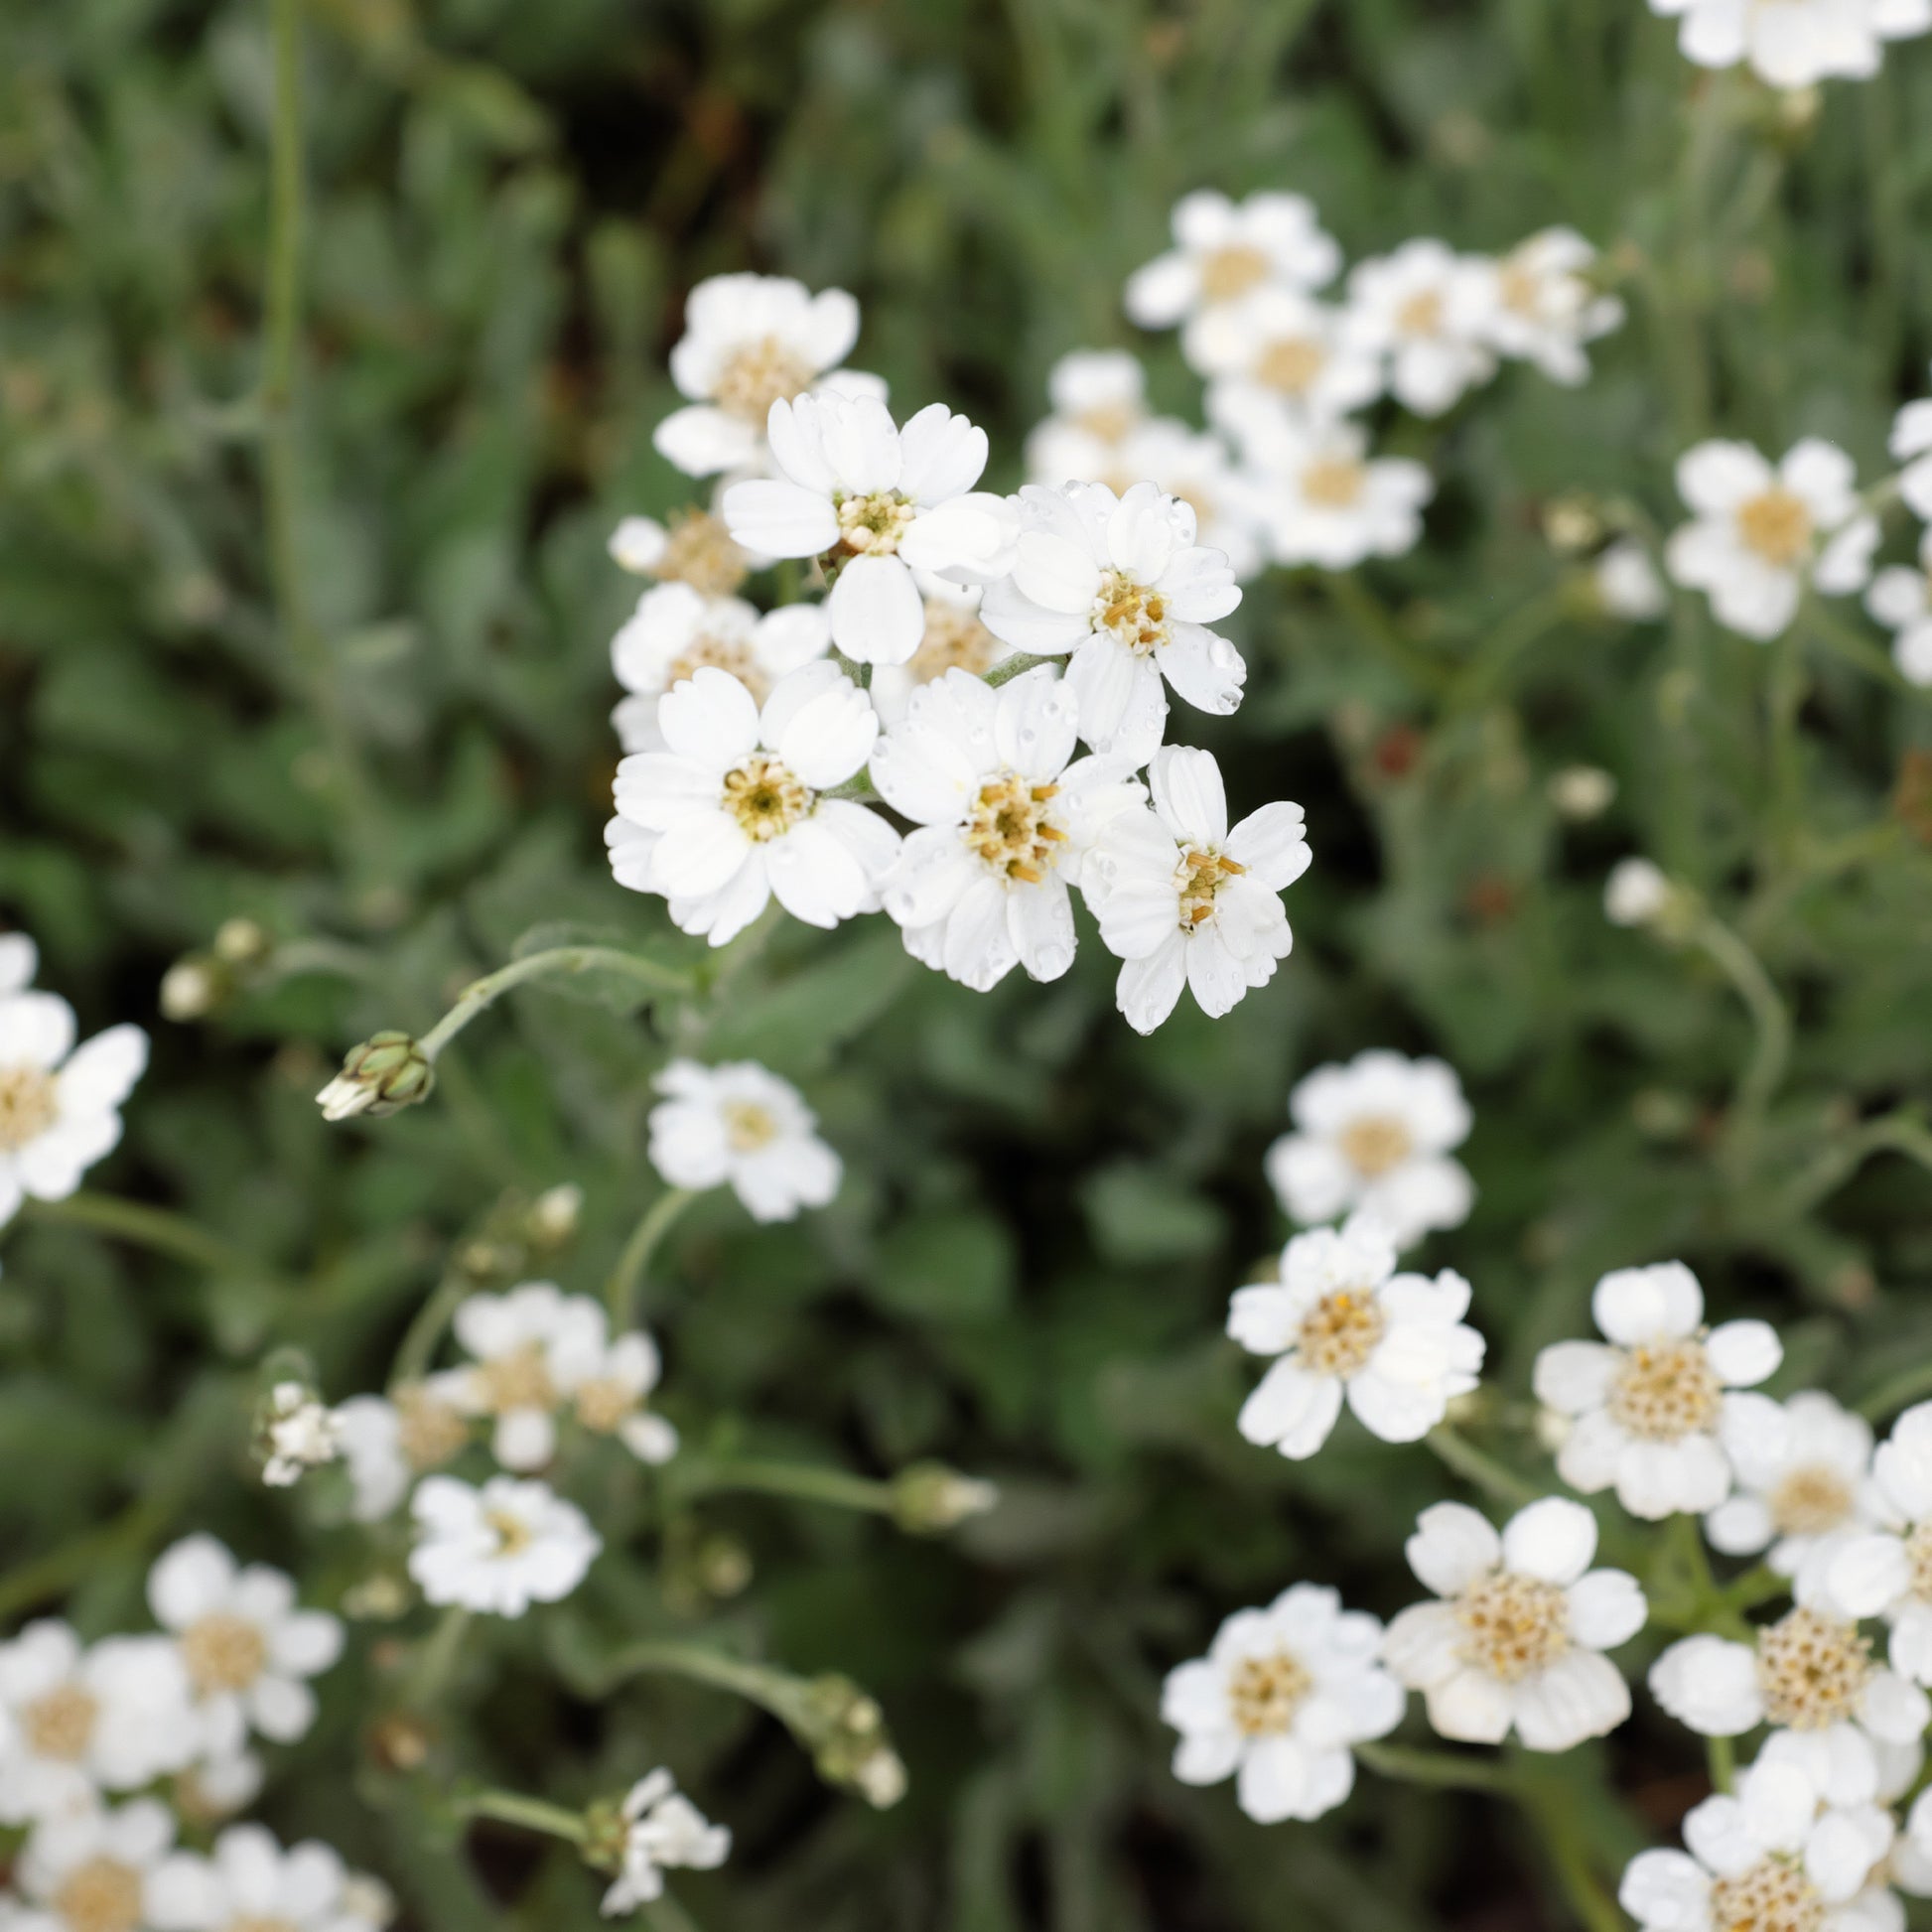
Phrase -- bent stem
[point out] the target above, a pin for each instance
(834, 1486)
(1446, 1771)
(770, 1690)
(532, 1814)
(438, 1656)
(1010, 669)
(426, 1331)
(1765, 1072)
(157, 1229)
(1477, 1467)
(484, 993)
(1544, 1803)
(627, 1278)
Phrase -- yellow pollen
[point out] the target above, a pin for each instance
(1291, 363)
(1200, 875)
(955, 641)
(29, 1105)
(602, 1404)
(1812, 1670)
(101, 1896)
(1810, 1500)
(518, 1379)
(1108, 422)
(1265, 1693)
(1666, 1390)
(60, 1724)
(765, 798)
(1513, 1626)
(1334, 483)
(699, 551)
(1774, 1896)
(758, 376)
(1232, 271)
(1339, 1333)
(1520, 290)
(1130, 613)
(1918, 1552)
(429, 1432)
(749, 1126)
(730, 654)
(870, 527)
(513, 1533)
(1423, 314)
(1011, 827)
(1777, 526)
(1375, 1144)
(224, 1653)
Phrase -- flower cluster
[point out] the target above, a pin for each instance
(1795, 43)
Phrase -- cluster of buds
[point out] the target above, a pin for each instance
(929, 1498)
(295, 1431)
(386, 1073)
(199, 983)
(845, 1730)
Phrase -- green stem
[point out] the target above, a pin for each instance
(438, 1657)
(426, 1331)
(1477, 1467)
(533, 1814)
(157, 1229)
(837, 1487)
(57, 1571)
(484, 993)
(770, 1690)
(1447, 1770)
(1546, 1804)
(627, 1278)
(1369, 618)
(1010, 669)
(666, 1914)
(1765, 1072)
(1721, 1754)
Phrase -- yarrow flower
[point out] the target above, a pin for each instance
(610, 1380)
(1653, 1407)
(1426, 312)
(955, 641)
(1542, 307)
(1279, 1700)
(297, 1434)
(1319, 497)
(501, 1548)
(1887, 1571)
(1098, 399)
(1911, 446)
(1185, 901)
(1278, 349)
(1628, 584)
(249, 1880)
(1901, 600)
(390, 1440)
(736, 1125)
(1346, 1325)
(663, 1829)
(693, 548)
(1375, 1137)
(1225, 249)
(90, 1870)
(525, 1345)
(1795, 43)
(1762, 534)
(1804, 1477)
(1517, 1641)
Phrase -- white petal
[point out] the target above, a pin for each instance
(1551, 1540)
(1453, 1545)
(779, 519)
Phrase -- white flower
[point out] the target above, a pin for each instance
(251, 1882)
(1635, 893)
(219, 1787)
(1911, 445)
(1195, 467)
(1184, 900)
(1888, 1571)
(674, 631)
(1760, 534)
(1628, 584)
(59, 1105)
(1770, 1856)
(299, 1432)
(737, 1124)
(1428, 311)
(1320, 499)
(1003, 822)
(1655, 1405)
(1343, 1322)
(694, 548)
(1282, 349)
(955, 641)
(1224, 249)
(1374, 1136)
(526, 1345)
(1901, 600)
(749, 340)
(1517, 1641)
(874, 503)
(610, 1382)
(388, 1441)
(91, 1871)
(1798, 1483)
(248, 1647)
(1794, 43)
(1121, 584)
(1542, 307)
(501, 1548)
(733, 812)
(74, 1721)
(1277, 1701)
(664, 1828)
(1098, 398)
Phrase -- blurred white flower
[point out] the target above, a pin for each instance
(247, 1646)
(664, 1828)
(1185, 901)
(1795, 43)
(524, 1344)
(1343, 1322)
(388, 1441)
(1635, 893)
(218, 1787)
(1320, 499)
(733, 812)
(91, 1871)
(1195, 467)
(609, 1383)
(298, 1434)
(1121, 585)
(693, 548)
(1888, 1571)
(1628, 584)
(1003, 824)
(874, 503)
(1374, 1137)
(1901, 600)
(738, 1125)
(1282, 349)
(1429, 312)
(1803, 1475)
(1516, 1642)
(1224, 249)
(249, 1881)
(1582, 791)
(1760, 534)
(1543, 306)
(955, 641)
(1279, 1700)
(499, 1549)
(1098, 398)
(1654, 1406)
(1911, 447)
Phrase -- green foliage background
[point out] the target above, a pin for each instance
(1026, 1271)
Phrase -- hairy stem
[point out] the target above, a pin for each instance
(627, 1278)
(834, 1486)
(533, 1814)
(484, 993)
(157, 1229)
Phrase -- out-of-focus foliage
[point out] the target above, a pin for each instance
(1026, 1271)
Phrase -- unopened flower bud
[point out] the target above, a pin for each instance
(881, 1779)
(367, 1898)
(1582, 791)
(1636, 892)
(193, 987)
(383, 1075)
(1572, 524)
(241, 942)
(929, 1497)
(554, 1214)
(845, 1730)
(1553, 1429)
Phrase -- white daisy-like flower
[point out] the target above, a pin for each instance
(674, 631)
(1374, 1137)
(1225, 249)
(1654, 1405)
(1003, 824)
(1195, 467)
(733, 812)
(1279, 348)
(1887, 1571)
(1343, 1323)
(609, 1383)
(91, 1871)
(749, 340)
(1120, 583)
(1279, 1700)
(1769, 1857)
(693, 548)
(1320, 497)
(1184, 900)
(663, 1829)
(1516, 1641)
(1628, 584)
(77, 1722)
(740, 1126)
(955, 641)
(1429, 312)
(1901, 600)
(500, 1549)
(59, 1105)
(1911, 447)
(1544, 308)
(216, 1789)
(1098, 398)
(387, 1442)
(1798, 1483)
(525, 1345)
(874, 503)
(249, 1882)
(1795, 43)
(1760, 534)
(1635, 893)
(248, 1648)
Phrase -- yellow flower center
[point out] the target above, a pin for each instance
(1201, 875)
(765, 798)
(1520, 290)
(1774, 1896)
(513, 1534)
(1265, 1693)
(101, 1896)
(955, 641)
(870, 527)
(602, 1404)
(224, 1653)
(1777, 526)
(749, 1126)
(1423, 314)
(1231, 271)
(1131, 614)
(730, 654)
(1339, 1333)
(1290, 364)
(1918, 1552)
(1334, 483)
(29, 1105)
(517, 1379)
(1108, 422)
(699, 551)
(1012, 828)
(60, 1724)
(1810, 1500)
(1375, 1144)
(758, 376)
(1513, 1626)
(429, 1432)
(1812, 1670)
(1666, 1390)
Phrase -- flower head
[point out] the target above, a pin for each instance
(1887, 1571)
(91, 1869)
(741, 1126)
(1226, 249)
(1901, 600)
(1911, 439)
(1427, 313)
(1804, 1477)
(251, 1882)
(295, 1433)
(1636, 892)
(501, 1548)
(1628, 584)
(1794, 43)
(663, 1829)
(1543, 306)
(1278, 349)
(693, 548)
(1318, 497)
(609, 1383)
(390, 1440)
(1098, 398)
(525, 1348)
(955, 641)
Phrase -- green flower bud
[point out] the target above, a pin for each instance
(383, 1075)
